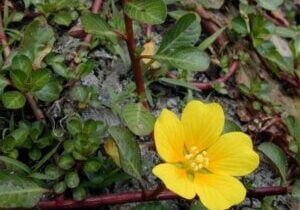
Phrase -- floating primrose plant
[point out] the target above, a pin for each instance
(199, 159)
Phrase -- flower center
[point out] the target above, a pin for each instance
(196, 160)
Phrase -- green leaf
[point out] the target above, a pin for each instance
(296, 189)
(149, 12)
(20, 80)
(62, 70)
(293, 125)
(49, 92)
(138, 119)
(46, 157)
(22, 63)
(129, 152)
(230, 126)
(84, 69)
(191, 59)
(63, 18)
(41, 176)
(211, 4)
(40, 78)
(18, 192)
(197, 205)
(20, 135)
(79, 93)
(276, 156)
(239, 25)
(269, 4)
(184, 33)
(3, 83)
(211, 39)
(74, 126)
(95, 25)
(15, 163)
(13, 100)
(36, 130)
(38, 41)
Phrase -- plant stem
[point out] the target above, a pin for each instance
(38, 113)
(205, 86)
(138, 196)
(135, 60)
(211, 26)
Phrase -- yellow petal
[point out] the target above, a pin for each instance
(175, 179)
(219, 192)
(169, 137)
(203, 124)
(233, 155)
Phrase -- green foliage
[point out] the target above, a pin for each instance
(277, 158)
(95, 25)
(213, 4)
(270, 5)
(129, 152)
(65, 151)
(17, 191)
(85, 96)
(138, 119)
(296, 189)
(149, 12)
(13, 100)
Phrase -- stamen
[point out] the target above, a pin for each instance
(188, 156)
(195, 160)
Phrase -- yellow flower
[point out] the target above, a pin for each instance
(199, 160)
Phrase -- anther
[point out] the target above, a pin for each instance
(188, 156)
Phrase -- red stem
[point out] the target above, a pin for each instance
(211, 26)
(130, 197)
(136, 65)
(205, 86)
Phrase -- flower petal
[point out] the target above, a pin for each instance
(219, 192)
(169, 137)
(175, 179)
(233, 155)
(203, 124)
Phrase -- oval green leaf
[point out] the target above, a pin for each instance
(149, 12)
(276, 156)
(13, 100)
(129, 151)
(191, 59)
(18, 192)
(138, 119)
(95, 25)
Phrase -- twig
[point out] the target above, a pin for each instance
(205, 86)
(38, 113)
(135, 60)
(211, 26)
(138, 196)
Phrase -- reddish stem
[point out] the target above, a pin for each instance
(211, 26)
(205, 86)
(130, 197)
(136, 65)
(3, 38)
